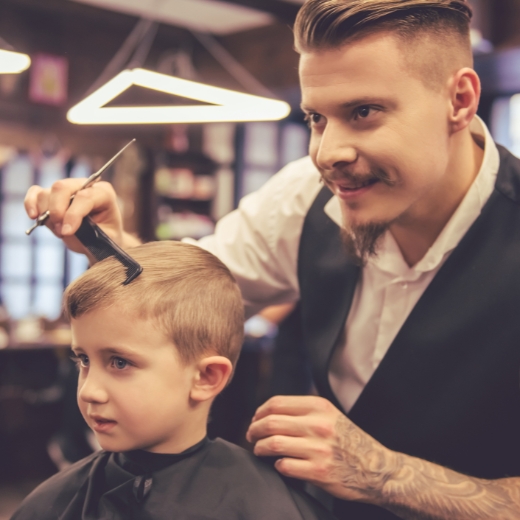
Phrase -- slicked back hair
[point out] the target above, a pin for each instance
(188, 292)
(328, 24)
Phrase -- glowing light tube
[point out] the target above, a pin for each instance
(13, 62)
(228, 106)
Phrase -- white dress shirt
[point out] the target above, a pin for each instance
(259, 243)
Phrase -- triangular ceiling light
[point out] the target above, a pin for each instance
(13, 62)
(226, 105)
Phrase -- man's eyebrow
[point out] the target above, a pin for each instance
(360, 102)
(353, 103)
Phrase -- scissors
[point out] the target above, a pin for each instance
(40, 221)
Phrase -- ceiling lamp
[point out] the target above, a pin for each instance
(226, 105)
(13, 62)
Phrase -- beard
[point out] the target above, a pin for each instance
(361, 241)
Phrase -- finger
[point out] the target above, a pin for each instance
(293, 405)
(277, 425)
(94, 200)
(31, 201)
(296, 447)
(59, 199)
(303, 470)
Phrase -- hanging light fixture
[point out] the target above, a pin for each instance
(13, 62)
(225, 105)
(221, 105)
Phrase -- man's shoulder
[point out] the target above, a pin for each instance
(44, 502)
(298, 176)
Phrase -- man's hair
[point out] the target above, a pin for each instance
(188, 292)
(325, 24)
(329, 24)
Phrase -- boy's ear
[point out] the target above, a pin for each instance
(213, 373)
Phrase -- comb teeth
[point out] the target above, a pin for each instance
(101, 246)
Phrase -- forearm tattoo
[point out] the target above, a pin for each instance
(415, 489)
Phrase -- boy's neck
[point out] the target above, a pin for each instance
(187, 435)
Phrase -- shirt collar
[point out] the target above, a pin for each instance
(389, 257)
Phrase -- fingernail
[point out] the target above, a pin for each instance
(33, 213)
(66, 229)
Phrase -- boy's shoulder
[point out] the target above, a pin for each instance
(254, 479)
(45, 502)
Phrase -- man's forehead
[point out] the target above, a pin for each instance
(374, 54)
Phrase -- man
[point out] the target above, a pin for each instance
(428, 209)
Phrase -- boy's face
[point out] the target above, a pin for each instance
(133, 390)
(380, 136)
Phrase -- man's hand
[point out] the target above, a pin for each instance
(319, 444)
(98, 201)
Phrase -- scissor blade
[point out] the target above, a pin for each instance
(96, 175)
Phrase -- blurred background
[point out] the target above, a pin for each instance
(175, 182)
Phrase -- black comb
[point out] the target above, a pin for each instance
(101, 246)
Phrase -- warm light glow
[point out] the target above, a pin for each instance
(13, 62)
(229, 105)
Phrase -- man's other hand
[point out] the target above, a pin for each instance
(99, 201)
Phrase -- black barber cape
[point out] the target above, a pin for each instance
(212, 480)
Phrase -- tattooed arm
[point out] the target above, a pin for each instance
(322, 446)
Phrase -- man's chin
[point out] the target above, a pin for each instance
(362, 240)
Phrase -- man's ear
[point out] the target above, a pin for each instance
(464, 96)
(212, 375)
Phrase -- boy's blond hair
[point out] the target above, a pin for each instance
(187, 291)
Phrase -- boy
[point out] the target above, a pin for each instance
(152, 356)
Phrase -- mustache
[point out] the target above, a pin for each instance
(375, 174)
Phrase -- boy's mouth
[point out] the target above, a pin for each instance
(101, 424)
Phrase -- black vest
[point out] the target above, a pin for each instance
(448, 389)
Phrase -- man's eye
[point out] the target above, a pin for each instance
(313, 119)
(119, 363)
(363, 112)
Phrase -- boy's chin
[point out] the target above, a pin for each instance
(116, 445)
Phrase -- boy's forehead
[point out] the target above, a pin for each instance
(117, 327)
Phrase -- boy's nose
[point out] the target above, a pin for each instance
(91, 389)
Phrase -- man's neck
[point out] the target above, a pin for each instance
(416, 232)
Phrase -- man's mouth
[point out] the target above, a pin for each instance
(355, 185)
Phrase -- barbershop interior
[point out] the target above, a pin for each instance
(207, 93)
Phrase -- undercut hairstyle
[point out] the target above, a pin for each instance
(329, 24)
(188, 292)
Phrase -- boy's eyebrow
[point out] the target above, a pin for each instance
(118, 351)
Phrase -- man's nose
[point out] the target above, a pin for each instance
(334, 148)
(91, 388)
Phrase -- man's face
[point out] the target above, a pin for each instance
(133, 390)
(380, 137)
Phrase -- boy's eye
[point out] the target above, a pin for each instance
(119, 363)
(81, 360)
